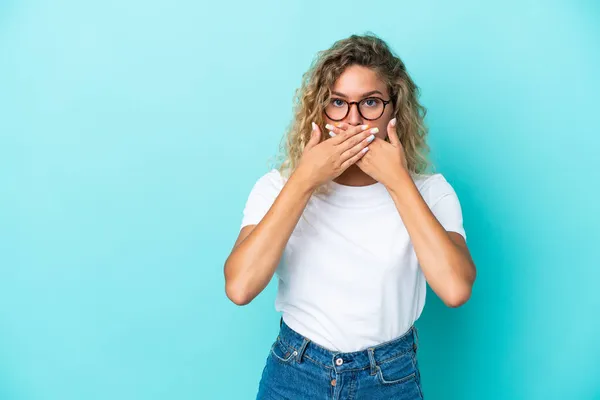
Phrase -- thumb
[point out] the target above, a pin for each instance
(392, 134)
(315, 137)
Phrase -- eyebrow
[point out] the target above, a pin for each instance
(364, 94)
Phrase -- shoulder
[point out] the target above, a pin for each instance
(262, 195)
(272, 178)
(270, 182)
(433, 187)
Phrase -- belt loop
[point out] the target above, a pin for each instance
(371, 353)
(305, 342)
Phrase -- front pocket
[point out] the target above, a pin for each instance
(399, 370)
(282, 352)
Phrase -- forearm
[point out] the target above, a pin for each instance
(446, 266)
(252, 263)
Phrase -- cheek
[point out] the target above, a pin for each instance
(382, 134)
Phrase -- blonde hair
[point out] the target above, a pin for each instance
(314, 94)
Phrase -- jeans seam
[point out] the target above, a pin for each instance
(413, 358)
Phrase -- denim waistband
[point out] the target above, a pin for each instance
(357, 360)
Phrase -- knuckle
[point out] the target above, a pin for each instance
(357, 140)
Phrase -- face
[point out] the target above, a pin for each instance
(356, 84)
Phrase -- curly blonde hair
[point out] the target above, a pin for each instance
(312, 97)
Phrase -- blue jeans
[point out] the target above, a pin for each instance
(296, 369)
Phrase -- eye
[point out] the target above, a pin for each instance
(371, 102)
(338, 102)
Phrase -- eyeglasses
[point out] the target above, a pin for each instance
(370, 108)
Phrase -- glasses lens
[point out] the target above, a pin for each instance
(371, 108)
(336, 109)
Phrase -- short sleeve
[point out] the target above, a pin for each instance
(261, 197)
(445, 205)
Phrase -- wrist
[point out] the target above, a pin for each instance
(399, 182)
(302, 182)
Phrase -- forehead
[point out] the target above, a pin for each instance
(356, 80)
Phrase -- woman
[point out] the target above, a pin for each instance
(353, 229)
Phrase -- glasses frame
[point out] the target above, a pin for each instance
(350, 103)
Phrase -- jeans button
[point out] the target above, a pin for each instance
(339, 361)
(333, 382)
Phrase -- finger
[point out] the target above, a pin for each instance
(355, 158)
(392, 134)
(333, 130)
(315, 137)
(355, 145)
(368, 135)
(342, 125)
(341, 135)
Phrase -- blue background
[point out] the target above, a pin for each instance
(132, 133)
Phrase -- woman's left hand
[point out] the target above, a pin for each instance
(384, 161)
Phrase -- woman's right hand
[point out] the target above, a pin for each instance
(323, 161)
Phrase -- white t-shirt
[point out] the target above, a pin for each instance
(349, 276)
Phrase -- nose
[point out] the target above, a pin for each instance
(354, 117)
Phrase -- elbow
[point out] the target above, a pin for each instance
(459, 292)
(234, 290)
(238, 295)
(455, 302)
(458, 296)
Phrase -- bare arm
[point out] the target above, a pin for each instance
(444, 257)
(258, 249)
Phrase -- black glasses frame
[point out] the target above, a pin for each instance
(350, 103)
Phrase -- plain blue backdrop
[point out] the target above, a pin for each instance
(133, 131)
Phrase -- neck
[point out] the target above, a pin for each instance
(354, 176)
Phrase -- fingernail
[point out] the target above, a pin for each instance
(331, 134)
(393, 121)
(370, 138)
(375, 130)
(365, 149)
(330, 127)
(363, 127)
(314, 126)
